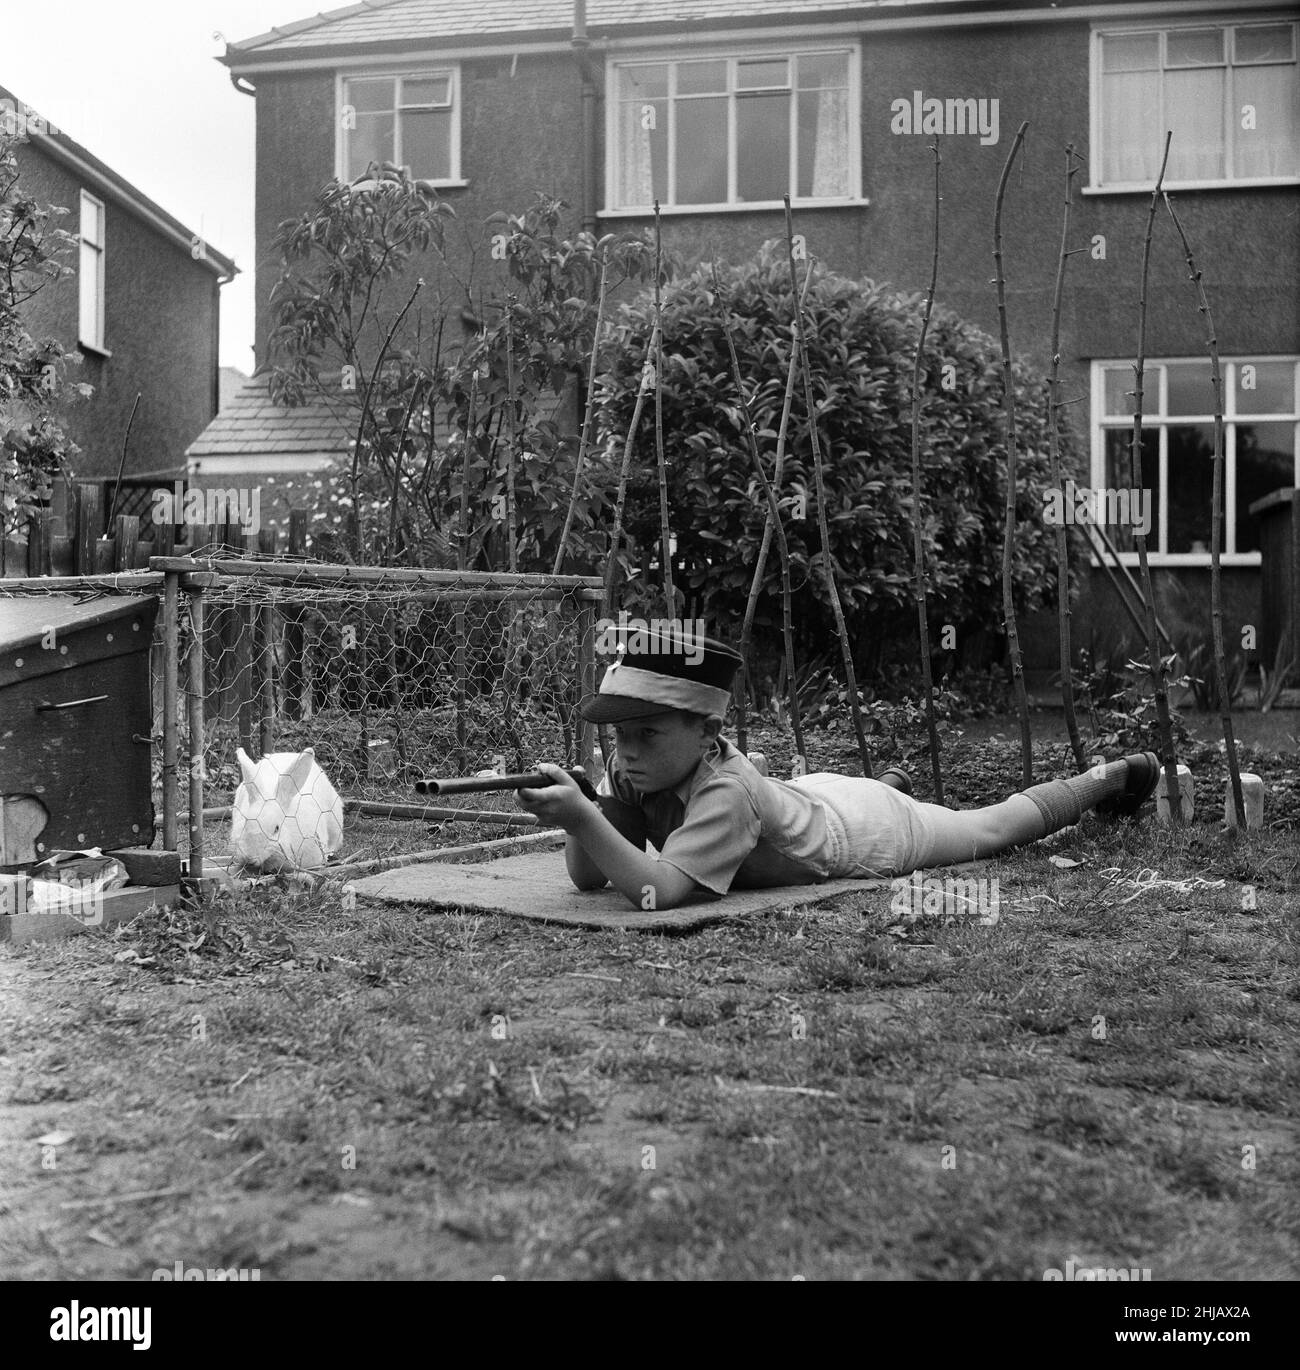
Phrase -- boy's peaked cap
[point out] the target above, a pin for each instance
(658, 670)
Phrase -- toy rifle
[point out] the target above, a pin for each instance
(482, 784)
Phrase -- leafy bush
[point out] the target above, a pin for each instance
(347, 303)
(34, 385)
(1116, 694)
(861, 342)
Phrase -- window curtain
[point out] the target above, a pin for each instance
(1194, 101)
(636, 186)
(831, 158)
(1130, 138)
(1272, 147)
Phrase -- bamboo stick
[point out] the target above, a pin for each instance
(1133, 585)
(1009, 531)
(918, 548)
(1134, 614)
(585, 437)
(1216, 526)
(1155, 661)
(828, 566)
(611, 566)
(773, 522)
(1054, 458)
(661, 466)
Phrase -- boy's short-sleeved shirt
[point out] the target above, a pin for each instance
(726, 824)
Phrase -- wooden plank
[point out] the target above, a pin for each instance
(118, 906)
(38, 543)
(90, 524)
(63, 554)
(148, 867)
(297, 532)
(127, 533)
(284, 571)
(128, 581)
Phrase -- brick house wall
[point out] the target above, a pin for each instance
(523, 133)
(161, 310)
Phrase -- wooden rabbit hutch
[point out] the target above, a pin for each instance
(76, 719)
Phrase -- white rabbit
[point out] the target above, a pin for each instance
(286, 815)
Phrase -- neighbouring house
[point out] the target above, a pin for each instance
(229, 379)
(718, 108)
(143, 307)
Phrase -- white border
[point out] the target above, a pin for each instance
(360, 71)
(1219, 19)
(1097, 448)
(735, 50)
(96, 344)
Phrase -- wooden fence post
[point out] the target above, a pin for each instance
(293, 631)
(171, 641)
(90, 524)
(586, 625)
(128, 534)
(267, 541)
(38, 543)
(196, 675)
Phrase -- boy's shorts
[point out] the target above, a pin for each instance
(874, 829)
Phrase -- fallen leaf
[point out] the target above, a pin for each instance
(55, 1139)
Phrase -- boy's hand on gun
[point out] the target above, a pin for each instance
(560, 804)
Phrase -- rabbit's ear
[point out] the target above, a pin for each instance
(300, 770)
(246, 767)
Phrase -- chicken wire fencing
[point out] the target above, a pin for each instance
(341, 686)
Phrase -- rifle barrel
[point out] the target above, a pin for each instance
(483, 784)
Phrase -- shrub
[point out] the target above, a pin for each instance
(861, 342)
(34, 385)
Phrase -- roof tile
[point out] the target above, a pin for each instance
(380, 21)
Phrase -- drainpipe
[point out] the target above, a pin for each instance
(581, 43)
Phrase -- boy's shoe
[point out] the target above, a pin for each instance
(896, 779)
(1143, 776)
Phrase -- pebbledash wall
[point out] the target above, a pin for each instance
(160, 325)
(521, 133)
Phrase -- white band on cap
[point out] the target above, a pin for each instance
(628, 682)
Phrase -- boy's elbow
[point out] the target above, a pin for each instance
(670, 890)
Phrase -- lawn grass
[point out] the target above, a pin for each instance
(1108, 1073)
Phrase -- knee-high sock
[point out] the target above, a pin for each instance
(1062, 802)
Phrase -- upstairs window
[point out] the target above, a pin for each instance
(1229, 92)
(734, 130)
(90, 275)
(408, 119)
(1261, 448)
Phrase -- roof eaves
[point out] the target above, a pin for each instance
(318, 20)
(81, 159)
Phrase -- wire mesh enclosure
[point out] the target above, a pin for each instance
(387, 675)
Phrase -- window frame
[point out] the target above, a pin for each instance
(92, 339)
(1101, 423)
(1107, 28)
(390, 71)
(741, 52)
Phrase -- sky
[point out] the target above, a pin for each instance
(137, 83)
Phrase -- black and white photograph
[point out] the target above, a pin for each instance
(650, 641)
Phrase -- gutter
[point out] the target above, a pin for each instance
(581, 45)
